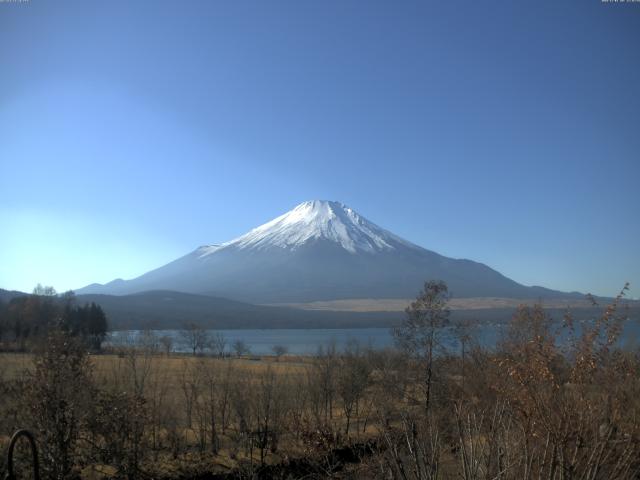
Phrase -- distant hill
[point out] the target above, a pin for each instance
(7, 295)
(321, 251)
(170, 310)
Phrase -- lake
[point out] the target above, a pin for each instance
(307, 342)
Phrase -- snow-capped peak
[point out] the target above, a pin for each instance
(317, 219)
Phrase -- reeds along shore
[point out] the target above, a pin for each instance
(533, 408)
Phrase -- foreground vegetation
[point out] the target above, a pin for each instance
(533, 408)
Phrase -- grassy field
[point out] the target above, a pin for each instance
(15, 365)
(170, 383)
(399, 304)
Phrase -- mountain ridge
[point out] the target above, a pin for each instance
(320, 250)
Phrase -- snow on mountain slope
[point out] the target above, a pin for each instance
(320, 250)
(315, 220)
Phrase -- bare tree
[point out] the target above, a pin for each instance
(325, 377)
(190, 386)
(269, 406)
(158, 388)
(419, 333)
(219, 344)
(47, 291)
(225, 384)
(241, 348)
(195, 338)
(279, 350)
(463, 330)
(166, 342)
(148, 341)
(352, 380)
(243, 413)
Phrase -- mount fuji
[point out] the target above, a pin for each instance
(320, 250)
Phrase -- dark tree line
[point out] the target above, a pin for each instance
(28, 319)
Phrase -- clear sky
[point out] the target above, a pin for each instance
(506, 132)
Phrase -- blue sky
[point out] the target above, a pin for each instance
(504, 132)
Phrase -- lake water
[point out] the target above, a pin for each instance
(261, 342)
(307, 342)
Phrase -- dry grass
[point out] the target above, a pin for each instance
(399, 304)
(14, 365)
